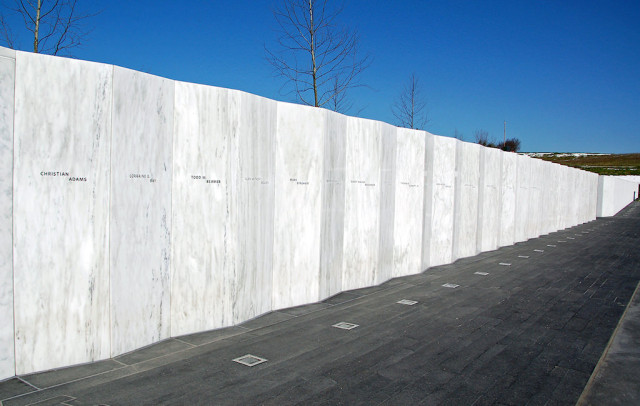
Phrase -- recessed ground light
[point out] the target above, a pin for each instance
(481, 273)
(570, 238)
(561, 241)
(345, 326)
(539, 250)
(450, 285)
(523, 256)
(550, 245)
(407, 302)
(505, 264)
(249, 360)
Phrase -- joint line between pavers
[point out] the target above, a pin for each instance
(28, 383)
(184, 342)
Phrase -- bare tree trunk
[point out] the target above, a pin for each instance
(314, 54)
(410, 107)
(312, 39)
(37, 27)
(56, 25)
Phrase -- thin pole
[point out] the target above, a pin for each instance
(504, 139)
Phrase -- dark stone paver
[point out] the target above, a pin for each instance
(526, 334)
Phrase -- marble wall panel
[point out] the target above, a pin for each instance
(362, 203)
(560, 198)
(571, 196)
(333, 206)
(568, 196)
(594, 195)
(298, 203)
(549, 204)
(508, 189)
(624, 193)
(7, 83)
(579, 197)
(614, 194)
(439, 192)
(205, 123)
(466, 200)
(409, 199)
(604, 189)
(533, 223)
(584, 194)
(489, 199)
(61, 211)
(140, 215)
(586, 204)
(523, 167)
(575, 196)
(386, 216)
(565, 195)
(558, 179)
(254, 170)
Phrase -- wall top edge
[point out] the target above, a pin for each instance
(10, 53)
(7, 53)
(120, 68)
(620, 178)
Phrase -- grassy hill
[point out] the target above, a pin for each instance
(603, 164)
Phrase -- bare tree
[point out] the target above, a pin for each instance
(339, 102)
(410, 109)
(317, 57)
(482, 137)
(6, 33)
(511, 145)
(55, 25)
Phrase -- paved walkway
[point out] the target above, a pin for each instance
(523, 325)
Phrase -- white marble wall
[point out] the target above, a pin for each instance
(140, 215)
(298, 203)
(549, 204)
(7, 83)
(535, 199)
(572, 197)
(580, 194)
(386, 216)
(561, 197)
(466, 200)
(145, 208)
(593, 195)
(333, 191)
(61, 233)
(439, 197)
(205, 122)
(523, 197)
(489, 199)
(362, 203)
(253, 163)
(614, 194)
(508, 189)
(409, 198)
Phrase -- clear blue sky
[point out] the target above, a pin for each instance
(565, 75)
